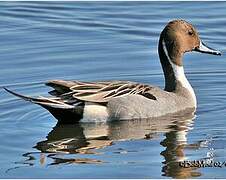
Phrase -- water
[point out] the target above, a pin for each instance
(93, 41)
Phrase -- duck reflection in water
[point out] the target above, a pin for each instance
(92, 138)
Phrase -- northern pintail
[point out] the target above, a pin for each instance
(74, 100)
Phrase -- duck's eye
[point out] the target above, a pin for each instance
(190, 32)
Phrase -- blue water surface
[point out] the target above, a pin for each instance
(94, 41)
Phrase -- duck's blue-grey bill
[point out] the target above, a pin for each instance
(205, 49)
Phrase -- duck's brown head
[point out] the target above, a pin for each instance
(179, 37)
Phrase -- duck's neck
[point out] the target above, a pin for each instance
(175, 78)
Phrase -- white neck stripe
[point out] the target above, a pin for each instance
(165, 50)
(179, 73)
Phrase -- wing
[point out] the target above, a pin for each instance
(98, 92)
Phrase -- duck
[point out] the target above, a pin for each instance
(77, 101)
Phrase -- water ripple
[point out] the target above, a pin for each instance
(105, 41)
